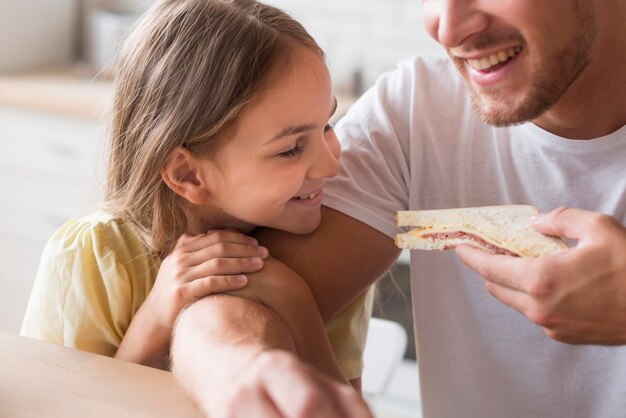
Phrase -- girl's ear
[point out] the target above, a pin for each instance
(181, 174)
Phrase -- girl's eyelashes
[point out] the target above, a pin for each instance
(297, 149)
(292, 153)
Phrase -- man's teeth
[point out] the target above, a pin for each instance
(495, 59)
(307, 196)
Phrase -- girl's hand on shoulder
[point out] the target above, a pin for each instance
(201, 265)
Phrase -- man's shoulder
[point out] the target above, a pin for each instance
(423, 81)
(421, 89)
(427, 63)
(429, 70)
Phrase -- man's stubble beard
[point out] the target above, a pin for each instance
(548, 84)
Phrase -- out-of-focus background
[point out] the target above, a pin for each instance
(55, 94)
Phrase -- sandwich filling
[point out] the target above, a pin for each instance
(469, 237)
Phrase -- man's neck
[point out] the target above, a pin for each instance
(595, 104)
(592, 116)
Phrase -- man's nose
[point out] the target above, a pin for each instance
(455, 20)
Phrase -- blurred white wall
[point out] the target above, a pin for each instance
(362, 38)
(366, 36)
(35, 34)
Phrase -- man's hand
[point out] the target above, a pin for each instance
(577, 296)
(277, 384)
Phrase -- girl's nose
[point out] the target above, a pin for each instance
(451, 22)
(325, 161)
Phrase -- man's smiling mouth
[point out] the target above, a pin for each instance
(494, 61)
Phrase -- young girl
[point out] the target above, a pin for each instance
(221, 125)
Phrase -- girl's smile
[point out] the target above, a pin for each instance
(310, 199)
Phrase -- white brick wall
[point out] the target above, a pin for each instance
(363, 35)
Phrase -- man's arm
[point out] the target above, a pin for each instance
(235, 353)
(577, 296)
(236, 356)
(338, 261)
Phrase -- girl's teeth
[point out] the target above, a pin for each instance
(307, 197)
(495, 59)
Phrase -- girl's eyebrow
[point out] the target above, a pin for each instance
(297, 129)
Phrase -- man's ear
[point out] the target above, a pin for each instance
(181, 174)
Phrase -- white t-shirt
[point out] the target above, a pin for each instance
(414, 142)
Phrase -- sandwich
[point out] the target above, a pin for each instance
(496, 229)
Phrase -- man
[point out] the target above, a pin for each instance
(531, 110)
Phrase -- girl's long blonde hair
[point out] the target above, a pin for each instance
(184, 75)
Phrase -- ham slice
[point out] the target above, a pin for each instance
(467, 236)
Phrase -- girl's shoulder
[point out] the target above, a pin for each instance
(98, 227)
(99, 236)
(94, 274)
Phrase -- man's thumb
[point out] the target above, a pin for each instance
(563, 222)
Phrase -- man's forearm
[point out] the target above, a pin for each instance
(288, 296)
(234, 357)
(226, 347)
(338, 261)
(216, 338)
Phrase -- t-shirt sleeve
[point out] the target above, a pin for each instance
(81, 297)
(373, 183)
(348, 332)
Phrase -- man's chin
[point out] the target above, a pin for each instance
(498, 114)
(500, 120)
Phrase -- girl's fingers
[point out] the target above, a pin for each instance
(224, 250)
(225, 266)
(205, 286)
(201, 241)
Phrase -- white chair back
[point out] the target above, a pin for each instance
(384, 350)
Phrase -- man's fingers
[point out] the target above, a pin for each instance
(337, 403)
(516, 299)
(298, 395)
(253, 402)
(300, 391)
(350, 403)
(510, 280)
(501, 269)
(205, 286)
